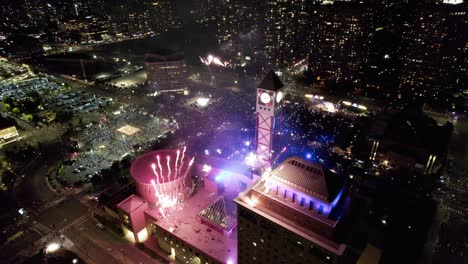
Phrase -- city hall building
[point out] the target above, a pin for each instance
(291, 215)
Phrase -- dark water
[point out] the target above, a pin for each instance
(190, 38)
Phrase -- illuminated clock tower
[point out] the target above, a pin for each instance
(268, 95)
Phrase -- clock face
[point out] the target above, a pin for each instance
(265, 98)
(279, 96)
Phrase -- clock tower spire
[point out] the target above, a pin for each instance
(268, 95)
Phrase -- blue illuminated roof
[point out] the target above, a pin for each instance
(309, 177)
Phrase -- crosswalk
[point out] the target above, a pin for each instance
(453, 210)
(75, 222)
(51, 204)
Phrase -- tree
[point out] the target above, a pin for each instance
(63, 116)
(95, 180)
(16, 110)
(7, 100)
(28, 117)
(107, 175)
(35, 97)
(127, 162)
(8, 178)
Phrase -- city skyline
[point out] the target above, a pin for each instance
(233, 131)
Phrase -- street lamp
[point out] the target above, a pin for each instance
(52, 247)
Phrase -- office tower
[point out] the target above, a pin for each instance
(435, 57)
(291, 215)
(286, 24)
(339, 39)
(166, 71)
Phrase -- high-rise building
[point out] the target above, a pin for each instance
(235, 17)
(162, 16)
(436, 49)
(339, 37)
(137, 18)
(166, 71)
(229, 18)
(291, 215)
(285, 31)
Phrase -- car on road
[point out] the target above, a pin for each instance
(100, 226)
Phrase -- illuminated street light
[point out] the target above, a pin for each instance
(203, 101)
(52, 247)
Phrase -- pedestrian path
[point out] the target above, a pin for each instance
(51, 204)
(75, 222)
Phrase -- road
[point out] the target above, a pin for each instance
(72, 217)
(451, 245)
(103, 246)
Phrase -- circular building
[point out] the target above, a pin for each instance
(162, 176)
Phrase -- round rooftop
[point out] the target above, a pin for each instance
(160, 166)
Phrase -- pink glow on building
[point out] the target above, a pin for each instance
(201, 224)
(161, 177)
(132, 209)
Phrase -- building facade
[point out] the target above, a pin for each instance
(435, 60)
(338, 39)
(286, 24)
(167, 71)
(291, 216)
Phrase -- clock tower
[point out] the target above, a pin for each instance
(268, 95)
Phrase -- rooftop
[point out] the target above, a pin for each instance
(164, 55)
(322, 241)
(222, 213)
(271, 82)
(185, 224)
(128, 130)
(8, 132)
(130, 204)
(261, 189)
(232, 166)
(308, 177)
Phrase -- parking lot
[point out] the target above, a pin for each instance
(101, 143)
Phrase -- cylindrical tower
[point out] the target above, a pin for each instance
(162, 177)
